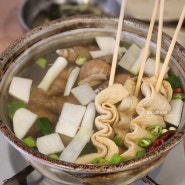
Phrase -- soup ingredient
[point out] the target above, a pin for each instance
(140, 153)
(45, 126)
(115, 159)
(94, 71)
(29, 141)
(75, 147)
(59, 64)
(84, 93)
(155, 130)
(72, 53)
(41, 62)
(119, 141)
(13, 106)
(174, 115)
(70, 119)
(71, 80)
(174, 81)
(58, 86)
(106, 43)
(23, 120)
(81, 60)
(130, 57)
(160, 140)
(144, 142)
(20, 88)
(50, 144)
(178, 96)
(150, 67)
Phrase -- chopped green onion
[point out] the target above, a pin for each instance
(29, 141)
(116, 158)
(54, 156)
(41, 62)
(155, 130)
(45, 126)
(81, 60)
(14, 106)
(174, 81)
(178, 96)
(100, 161)
(140, 153)
(118, 141)
(144, 142)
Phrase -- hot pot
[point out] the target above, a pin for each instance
(46, 39)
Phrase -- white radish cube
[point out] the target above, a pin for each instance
(174, 115)
(100, 53)
(84, 93)
(130, 57)
(23, 120)
(106, 43)
(20, 88)
(150, 67)
(70, 119)
(50, 144)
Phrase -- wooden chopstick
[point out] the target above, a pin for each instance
(146, 49)
(170, 50)
(116, 49)
(159, 38)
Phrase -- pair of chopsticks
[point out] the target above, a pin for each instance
(147, 45)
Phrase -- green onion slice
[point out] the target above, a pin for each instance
(144, 142)
(45, 126)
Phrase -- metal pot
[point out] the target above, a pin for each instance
(44, 40)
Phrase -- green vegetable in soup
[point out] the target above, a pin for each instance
(45, 126)
(41, 62)
(29, 141)
(174, 81)
(144, 142)
(13, 106)
(155, 130)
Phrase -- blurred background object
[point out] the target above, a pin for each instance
(142, 9)
(36, 12)
(10, 27)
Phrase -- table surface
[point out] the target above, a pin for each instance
(10, 27)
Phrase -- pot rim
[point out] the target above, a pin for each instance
(33, 36)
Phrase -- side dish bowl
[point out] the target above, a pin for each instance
(46, 39)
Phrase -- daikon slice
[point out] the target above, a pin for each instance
(71, 80)
(100, 53)
(23, 120)
(150, 67)
(59, 64)
(84, 93)
(130, 57)
(20, 88)
(70, 119)
(75, 147)
(174, 115)
(50, 144)
(106, 43)
(136, 66)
